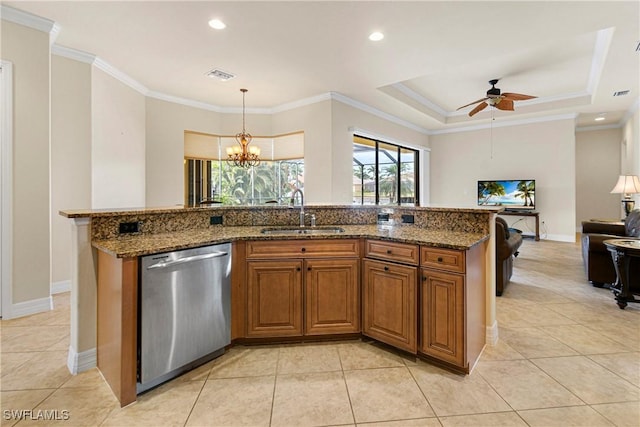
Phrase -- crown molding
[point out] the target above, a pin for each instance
(600, 50)
(28, 20)
(507, 123)
(184, 101)
(592, 128)
(74, 54)
(119, 75)
(301, 103)
(371, 110)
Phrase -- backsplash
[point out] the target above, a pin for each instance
(106, 225)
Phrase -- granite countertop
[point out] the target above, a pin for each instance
(146, 244)
(92, 213)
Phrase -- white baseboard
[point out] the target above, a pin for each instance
(80, 362)
(491, 334)
(27, 308)
(60, 287)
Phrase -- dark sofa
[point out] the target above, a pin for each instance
(597, 259)
(507, 244)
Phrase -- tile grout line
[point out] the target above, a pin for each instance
(346, 386)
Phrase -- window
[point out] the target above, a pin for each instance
(384, 173)
(210, 179)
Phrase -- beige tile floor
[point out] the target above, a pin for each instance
(568, 356)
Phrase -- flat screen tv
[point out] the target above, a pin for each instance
(512, 194)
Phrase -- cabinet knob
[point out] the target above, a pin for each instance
(297, 268)
(424, 278)
(439, 259)
(389, 251)
(303, 249)
(386, 268)
(308, 268)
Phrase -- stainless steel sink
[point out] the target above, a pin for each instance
(305, 231)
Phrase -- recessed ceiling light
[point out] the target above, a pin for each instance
(599, 119)
(217, 24)
(376, 36)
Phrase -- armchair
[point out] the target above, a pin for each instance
(507, 244)
(597, 259)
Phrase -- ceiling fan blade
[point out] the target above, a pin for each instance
(504, 104)
(479, 108)
(517, 96)
(474, 102)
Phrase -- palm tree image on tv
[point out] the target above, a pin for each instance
(526, 191)
(508, 193)
(489, 189)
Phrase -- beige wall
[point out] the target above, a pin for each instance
(328, 144)
(315, 121)
(597, 170)
(70, 154)
(118, 143)
(541, 151)
(28, 50)
(165, 126)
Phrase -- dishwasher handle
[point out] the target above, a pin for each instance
(165, 264)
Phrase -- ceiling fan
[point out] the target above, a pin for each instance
(502, 101)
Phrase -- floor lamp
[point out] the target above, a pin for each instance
(627, 185)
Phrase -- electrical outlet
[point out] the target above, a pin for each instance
(215, 220)
(383, 217)
(408, 219)
(129, 227)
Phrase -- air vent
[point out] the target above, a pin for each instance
(219, 74)
(621, 92)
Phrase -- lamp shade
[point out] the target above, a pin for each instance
(627, 184)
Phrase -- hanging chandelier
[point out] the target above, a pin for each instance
(242, 155)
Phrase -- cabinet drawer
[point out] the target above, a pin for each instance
(399, 252)
(334, 248)
(443, 259)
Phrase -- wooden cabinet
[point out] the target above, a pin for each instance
(389, 294)
(314, 292)
(274, 298)
(452, 305)
(332, 296)
(442, 315)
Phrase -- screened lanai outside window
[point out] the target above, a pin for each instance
(384, 173)
(210, 179)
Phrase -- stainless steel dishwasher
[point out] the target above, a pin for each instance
(184, 306)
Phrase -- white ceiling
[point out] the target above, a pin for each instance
(435, 57)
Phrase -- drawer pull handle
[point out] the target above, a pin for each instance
(439, 259)
(386, 268)
(389, 251)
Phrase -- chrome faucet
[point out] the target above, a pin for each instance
(293, 201)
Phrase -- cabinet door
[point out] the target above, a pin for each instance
(389, 296)
(442, 316)
(332, 296)
(274, 298)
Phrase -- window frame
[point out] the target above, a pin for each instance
(398, 162)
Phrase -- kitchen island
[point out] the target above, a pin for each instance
(371, 269)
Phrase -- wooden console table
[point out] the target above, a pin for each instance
(622, 251)
(526, 213)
